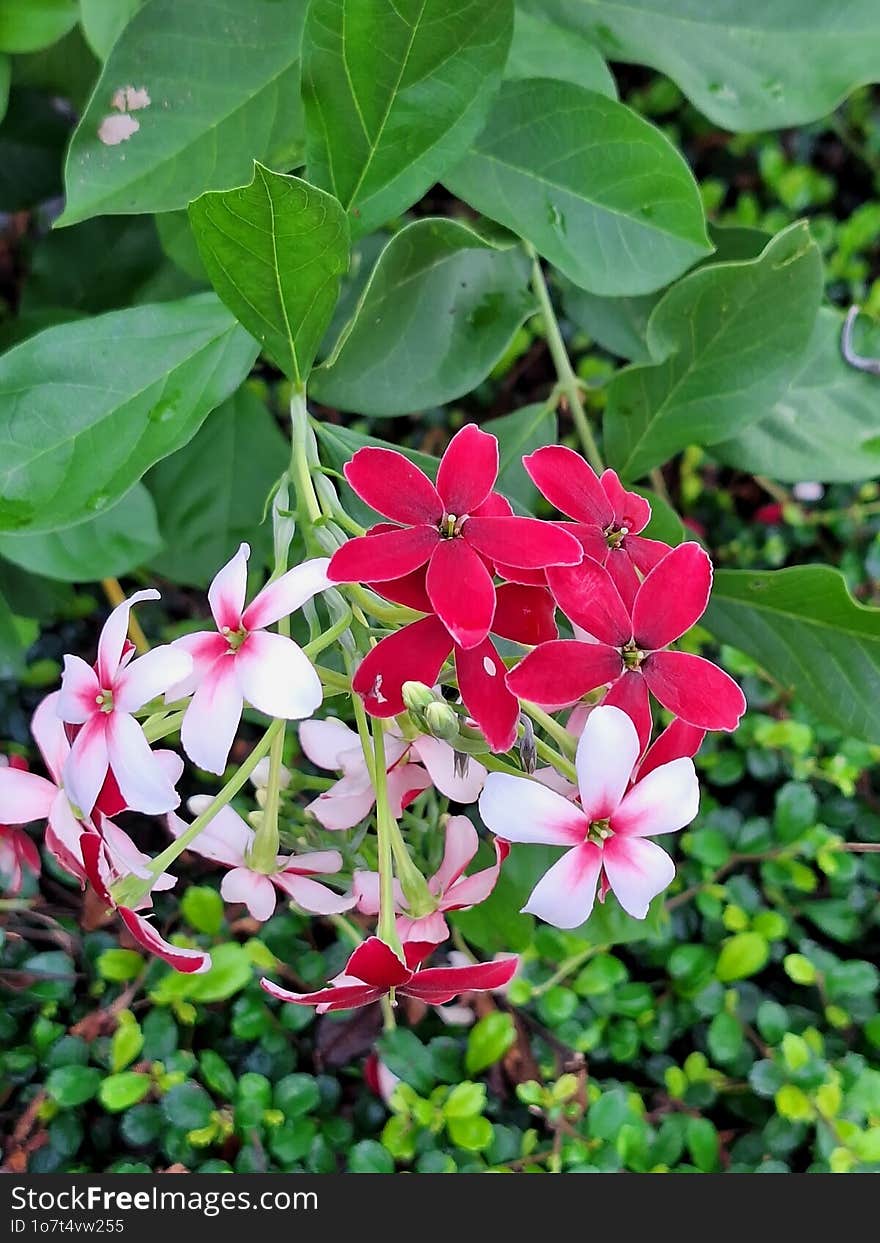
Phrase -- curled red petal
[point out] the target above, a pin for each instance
(345, 997)
(485, 694)
(187, 961)
(376, 964)
(436, 985)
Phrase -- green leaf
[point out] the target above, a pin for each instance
(826, 424)
(472, 1134)
(394, 91)
(179, 243)
(87, 407)
(127, 1042)
(275, 251)
(405, 1056)
(741, 956)
(202, 908)
(103, 21)
(222, 77)
(108, 546)
(5, 76)
(729, 337)
(747, 65)
(703, 1143)
(231, 970)
(28, 25)
(32, 141)
(518, 434)
(119, 965)
(597, 190)
(70, 1086)
(543, 49)
(211, 494)
(466, 1100)
(804, 628)
(488, 1041)
(187, 1106)
(369, 1157)
(12, 643)
(438, 311)
(664, 524)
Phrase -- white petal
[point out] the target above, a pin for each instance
(664, 801)
(637, 871)
(287, 594)
(276, 676)
(114, 634)
(24, 796)
(149, 676)
(227, 591)
(606, 755)
(253, 889)
(439, 759)
(211, 720)
(225, 839)
(204, 648)
(50, 735)
(312, 896)
(324, 862)
(565, 895)
(324, 742)
(79, 691)
(86, 766)
(521, 810)
(141, 778)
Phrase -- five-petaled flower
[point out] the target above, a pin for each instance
(228, 840)
(629, 651)
(374, 970)
(607, 836)
(101, 700)
(443, 527)
(242, 662)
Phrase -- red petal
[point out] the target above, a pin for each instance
(516, 574)
(525, 542)
(630, 510)
(694, 689)
(468, 470)
(377, 558)
(645, 553)
(415, 952)
(110, 802)
(461, 591)
(484, 692)
(561, 672)
(92, 849)
(673, 597)
(187, 961)
(494, 506)
(623, 574)
(587, 595)
(409, 590)
(347, 997)
(630, 694)
(394, 486)
(376, 964)
(590, 539)
(524, 614)
(414, 654)
(678, 741)
(569, 483)
(438, 984)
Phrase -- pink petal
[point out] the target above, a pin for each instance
(561, 672)
(405, 782)
(388, 555)
(394, 486)
(253, 889)
(376, 964)
(430, 930)
(637, 871)
(277, 677)
(148, 676)
(468, 470)
(62, 837)
(524, 614)
(438, 984)
(325, 742)
(459, 848)
(564, 895)
(606, 756)
(211, 720)
(187, 961)
(461, 592)
(77, 699)
(525, 542)
(225, 839)
(645, 553)
(694, 689)
(630, 510)
(50, 735)
(587, 595)
(227, 592)
(521, 810)
(287, 594)
(486, 695)
(409, 590)
(469, 891)
(365, 887)
(311, 863)
(630, 694)
(570, 484)
(126, 859)
(142, 779)
(414, 654)
(204, 649)
(677, 741)
(439, 759)
(24, 796)
(326, 999)
(673, 597)
(114, 634)
(312, 896)
(662, 802)
(345, 804)
(86, 765)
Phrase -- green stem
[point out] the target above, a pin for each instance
(330, 678)
(329, 636)
(389, 614)
(347, 928)
(267, 841)
(568, 381)
(160, 726)
(557, 761)
(384, 819)
(557, 732)
(299, 460)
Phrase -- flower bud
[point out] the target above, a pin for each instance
(528, 751)
(441, 720)
(417, 696)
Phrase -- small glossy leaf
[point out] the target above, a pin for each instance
(275, 251)
(438, 311)
(741, 956)
(598, 191)
(394, 91)
(28, 25)
(488, 1041)
(542, 48)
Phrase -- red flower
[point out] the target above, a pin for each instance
(630, 649)
(374, 970)
(418, 652)
(443, 527)
(607, 518)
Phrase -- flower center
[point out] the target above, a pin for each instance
(614, 536)
(234, 638)
(599, 832)
(632, 656)
(104, 700)
(451, 525)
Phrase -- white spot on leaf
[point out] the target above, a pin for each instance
(116, 129)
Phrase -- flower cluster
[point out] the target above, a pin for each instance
(483, 623)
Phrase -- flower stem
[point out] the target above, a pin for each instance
(560, 735)
(557, 761)
(384, 832)
(264, 852)
(299, 461)
(329, 636)
(568, 381)
(161, 725)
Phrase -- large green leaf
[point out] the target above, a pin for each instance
(28, 25)
(275, 251)
(103, 21)
(438, 311)
(543, 49)
(747, 64)
(596, 189)
(222, 77)
(14, 641)
(519, 433)
(95, 266)
(87, 407)
(212, 493)
(394, 91)
(107, 546)
(826, 425)
(729, 337)
(805, 629)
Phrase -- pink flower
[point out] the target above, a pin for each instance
(607, 518)
(227, 839)
(101, 701)
(607, 836)
(451, 889)
(630, 649)
(18, 852)
(441, 528)
(242, 662)
(374, 970)
(413, 765)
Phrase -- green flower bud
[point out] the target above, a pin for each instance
(417, 696)
(441, 720)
